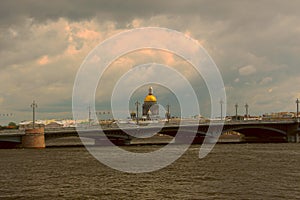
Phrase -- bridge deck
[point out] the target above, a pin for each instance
(115, 132)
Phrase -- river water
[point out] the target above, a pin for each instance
(230, 171)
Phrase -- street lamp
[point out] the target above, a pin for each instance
(297, 114)
(247, 107)
(137, 103)
(168, 115)
(236, 111)
(90, 120)
(33, 106)
(221, 103)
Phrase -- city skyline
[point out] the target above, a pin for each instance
(254, 44)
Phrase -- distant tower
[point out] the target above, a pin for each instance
(150, 106)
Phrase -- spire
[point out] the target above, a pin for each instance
(150, 91)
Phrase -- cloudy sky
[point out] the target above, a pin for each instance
(255, 44)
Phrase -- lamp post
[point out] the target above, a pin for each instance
(33, 106)
(90, 120)
(297, 114)
(137, 103)
(247, 107)
(236, 111)
(168, 113)
(221, 103)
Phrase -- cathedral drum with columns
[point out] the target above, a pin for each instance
(150, 106)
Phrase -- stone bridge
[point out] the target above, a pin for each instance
(252, 131)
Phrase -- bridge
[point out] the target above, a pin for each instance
(252, 131)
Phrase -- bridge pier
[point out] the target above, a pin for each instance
(297, 138)
(33, 138)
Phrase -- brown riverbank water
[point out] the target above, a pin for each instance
(231, 171)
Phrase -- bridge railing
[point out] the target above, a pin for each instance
(11, 132)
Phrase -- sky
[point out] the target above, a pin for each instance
(255, 44)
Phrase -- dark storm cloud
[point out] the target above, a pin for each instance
(11, 11)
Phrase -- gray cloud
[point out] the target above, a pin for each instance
(247, 70)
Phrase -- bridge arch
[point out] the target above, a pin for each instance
(238, 129)
(90, 137)
(259, 134)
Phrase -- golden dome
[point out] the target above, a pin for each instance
(150, 97)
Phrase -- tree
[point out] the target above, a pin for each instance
(12, 125)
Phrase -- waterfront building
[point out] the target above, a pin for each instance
(29, 125)
(133, 115)
(150, 106)
(54, 124)
(279, 116)
(236, 118)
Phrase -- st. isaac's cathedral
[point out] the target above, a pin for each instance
(150, 106)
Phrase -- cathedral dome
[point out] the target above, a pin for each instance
(150, 97)
(150, 106)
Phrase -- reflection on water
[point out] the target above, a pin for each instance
(231, 171)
